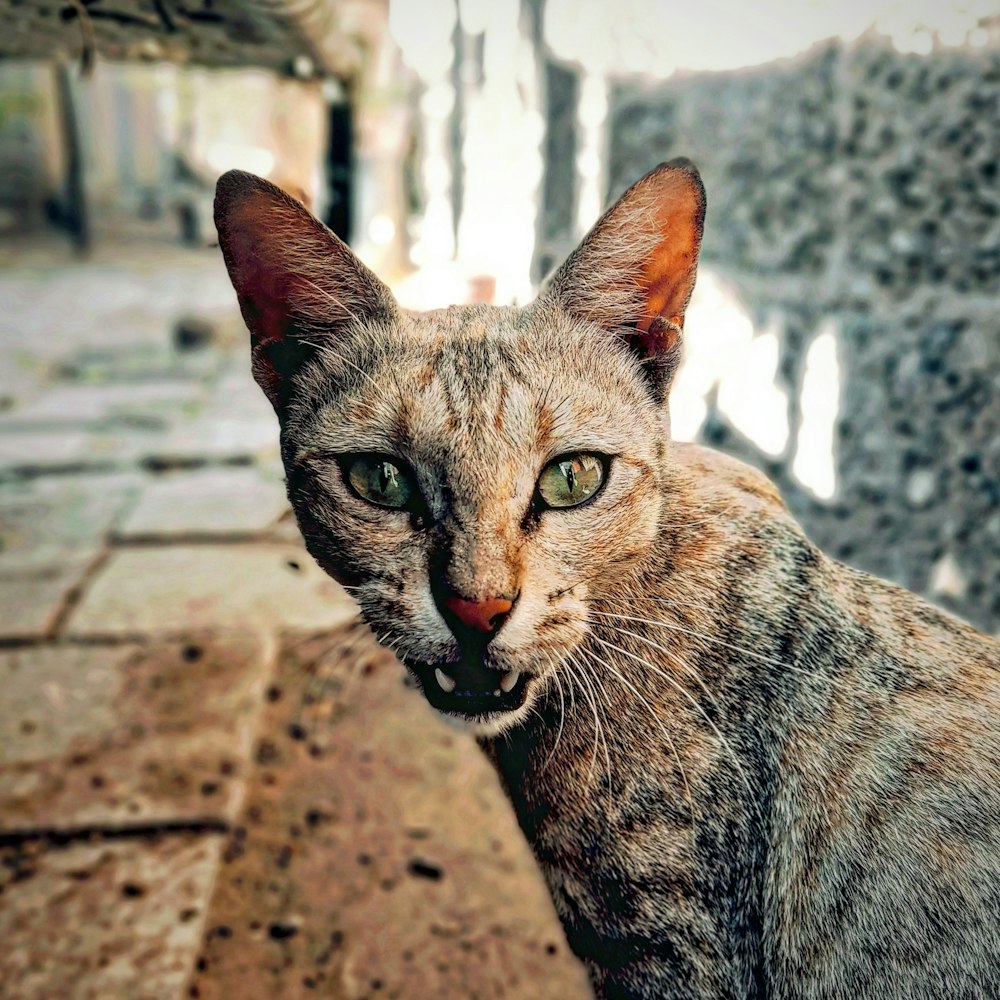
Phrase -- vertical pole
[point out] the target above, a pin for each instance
(74, 214)
(340, 166)
(457, 124)
(560, 184)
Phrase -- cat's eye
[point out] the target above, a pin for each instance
(570, 480)
(380, 480)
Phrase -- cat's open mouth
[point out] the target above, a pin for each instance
(472, 692)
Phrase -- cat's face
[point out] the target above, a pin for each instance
(474, 475)
(485, 454)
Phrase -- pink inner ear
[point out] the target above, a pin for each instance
(658, 337)
(259, 274)
(267, 294)
(668, 273)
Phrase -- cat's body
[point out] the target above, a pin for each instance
(745, 770)
(838, 838)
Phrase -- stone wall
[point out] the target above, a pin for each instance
(859, 186)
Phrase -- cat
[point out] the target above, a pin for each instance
(745, 770)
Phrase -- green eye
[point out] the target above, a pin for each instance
(380, 480)
(570, 479)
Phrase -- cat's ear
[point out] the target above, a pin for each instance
(634, 272)
(297, 284)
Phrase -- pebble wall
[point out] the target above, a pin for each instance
(857, 187)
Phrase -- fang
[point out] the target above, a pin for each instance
(509, 679)
(445, 682)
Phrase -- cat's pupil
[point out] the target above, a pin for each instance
(387, 477)
(379, 481)
(567, 471)
(566, 482)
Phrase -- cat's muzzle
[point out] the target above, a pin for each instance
(470, 690)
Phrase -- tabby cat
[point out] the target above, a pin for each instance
(745, 770)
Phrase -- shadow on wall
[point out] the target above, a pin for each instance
(854, 226)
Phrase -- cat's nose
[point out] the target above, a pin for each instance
(484, 616)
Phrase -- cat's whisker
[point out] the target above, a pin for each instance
(674, 627)
(354, 664)
(587, 692)
(322, 677)
(644, 701)
(696, 634)
(317, 679)
(682, 604)
(679, 661)
(685, 694)
(562, 710)
(599, 684)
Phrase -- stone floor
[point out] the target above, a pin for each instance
(212, 782)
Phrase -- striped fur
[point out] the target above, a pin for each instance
(746, 771)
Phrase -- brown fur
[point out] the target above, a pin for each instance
(745, 770)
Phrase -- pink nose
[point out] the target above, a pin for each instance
(481, 615)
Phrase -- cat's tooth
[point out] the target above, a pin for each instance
(496, 694)
(445, 682)
(509, 679)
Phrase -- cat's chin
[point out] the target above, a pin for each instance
(485, 698)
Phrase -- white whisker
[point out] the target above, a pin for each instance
(685, 694)
(663, 729)
(676, 658)
(587, 691)
(562, 710)
(704, 636)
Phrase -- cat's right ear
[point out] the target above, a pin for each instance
(297, 284)
(634, 272)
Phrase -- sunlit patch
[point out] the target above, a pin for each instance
(223, 156)
(724, 350)
(501, 156)
(603, 38)
(814, 464)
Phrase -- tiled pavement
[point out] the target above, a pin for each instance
(212, 782)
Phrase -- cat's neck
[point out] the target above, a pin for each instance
(682, 661)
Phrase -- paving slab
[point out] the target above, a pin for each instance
(95, 736)
(32, 600)
(103, 921)
(375, 855)
(34, 450)
(213, 502)
(142, 400)
(30, 449)
(176, 588)
(219, 437)
(72, 448)
(44, 521)
(51, 531)
(237, 392)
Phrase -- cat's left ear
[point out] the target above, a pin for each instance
(634, 272)
(298, 285)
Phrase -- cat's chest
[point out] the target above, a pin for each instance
(615, 854)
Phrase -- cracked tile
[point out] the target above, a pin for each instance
(134, 733)
(173, 588)
(375, 853)
(94, 921)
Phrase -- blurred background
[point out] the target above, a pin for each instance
(211, 784)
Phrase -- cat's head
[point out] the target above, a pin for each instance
(474, 474)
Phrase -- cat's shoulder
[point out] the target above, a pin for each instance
(726, 478)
